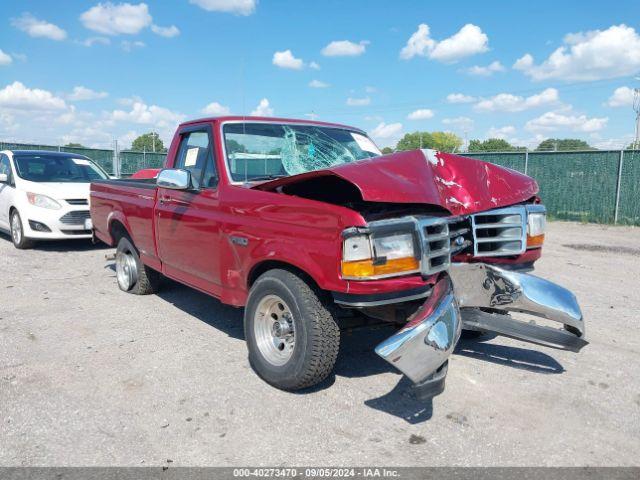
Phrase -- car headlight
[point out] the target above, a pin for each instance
(42, 201)
(536, 225)
(371, 256)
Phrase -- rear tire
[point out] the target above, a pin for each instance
(292, 338)
(17, 232)
(132, 275)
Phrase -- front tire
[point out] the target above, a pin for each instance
(132, 275)
(292, 338)
(17, 232)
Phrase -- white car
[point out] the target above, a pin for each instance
(45, 195)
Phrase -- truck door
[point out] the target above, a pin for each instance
(188, 222)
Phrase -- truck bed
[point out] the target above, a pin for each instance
(130, 202)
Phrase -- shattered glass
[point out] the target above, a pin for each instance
(305, 151)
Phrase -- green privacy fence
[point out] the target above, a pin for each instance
(591, 186)
(601, 186)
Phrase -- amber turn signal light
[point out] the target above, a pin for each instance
(368, 269)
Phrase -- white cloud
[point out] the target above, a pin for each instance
(622, 97)
(387, 134)
(81, 93)
(116, 19)
(358, 102)
(167, 32)
(506, 102)
(501, 132)
(263, 109)
(370, 89)
(462, 123)
(285, 59)
(587, 56)
(460, 98)
(238, 7)
(216, 110)
(314, 66)
(38, 28)
(551, 121)
(487, 71)
(5, 58)
(91, 41)
(344, 48)
(421, 114)
(16, 96)
(318, 84)
(144, 114)
(469, 40)
(128, 46)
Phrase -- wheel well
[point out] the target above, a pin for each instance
(11, 210)
(117, 230)
(267, 265)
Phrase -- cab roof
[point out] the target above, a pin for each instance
(249, 118)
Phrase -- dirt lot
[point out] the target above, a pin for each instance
(93, 376)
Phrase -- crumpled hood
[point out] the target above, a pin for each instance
(459, 184)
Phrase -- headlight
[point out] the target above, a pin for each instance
(366, 257)
(42, 201)
(536, 225)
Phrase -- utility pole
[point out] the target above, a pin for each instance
(153, 136)
(636, 108)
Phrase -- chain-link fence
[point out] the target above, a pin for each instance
(121, 163)
(601, 186)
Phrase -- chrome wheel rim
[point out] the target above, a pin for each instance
(274, 330)
(16, 229)
(126, 270)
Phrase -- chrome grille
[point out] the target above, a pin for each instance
(77, 201)
(499, 232)
(436, 245)
(76, 217)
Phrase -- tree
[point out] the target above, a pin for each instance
(150, 142)
(74, 145)
(491, 145)
(563, 144)
(443, 141)
(633, 146)
(414, 140)
(387, 150)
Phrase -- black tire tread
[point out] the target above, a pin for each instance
(322, 328)
(148, 278)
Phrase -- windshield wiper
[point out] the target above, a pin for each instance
(266, 177)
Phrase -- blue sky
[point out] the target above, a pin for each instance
(91, 72)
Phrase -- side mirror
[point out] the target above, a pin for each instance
(4, 178)
(174, 178)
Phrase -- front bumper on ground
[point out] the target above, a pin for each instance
(467, 297)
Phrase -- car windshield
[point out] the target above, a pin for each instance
(57, 168)
(261, 151)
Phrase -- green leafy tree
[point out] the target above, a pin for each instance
(74, 145)
(414, 140)
(491, 145)
(150, 142)
(632, 146)
(446, 141)
(387, 150)
(563, 144)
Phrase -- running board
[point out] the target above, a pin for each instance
(503, 324)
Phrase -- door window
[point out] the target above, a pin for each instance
(195, 156)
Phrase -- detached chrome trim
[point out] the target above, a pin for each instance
(482, 285)
(378, 299)
(425, 343)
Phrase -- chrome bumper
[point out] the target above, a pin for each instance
(480, 285)
(421, 349)
(426, 341)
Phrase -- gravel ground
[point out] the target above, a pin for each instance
(93, 376)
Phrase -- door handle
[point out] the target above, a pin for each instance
(164, 200)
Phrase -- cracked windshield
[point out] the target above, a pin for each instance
(265, 151)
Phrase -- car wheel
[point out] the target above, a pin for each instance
(17, 232)
(132, 275)
(292, 337)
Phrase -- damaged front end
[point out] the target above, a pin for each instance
(476, 294)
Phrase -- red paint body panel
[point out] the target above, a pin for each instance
(461, 185)
(192, 236)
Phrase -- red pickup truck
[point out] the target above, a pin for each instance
(303, 223)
